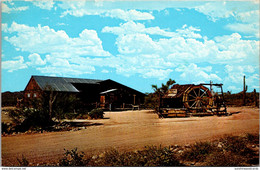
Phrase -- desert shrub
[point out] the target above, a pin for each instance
(237, 145)
(73, 158)
(224, 159)
(150, 156)
(252, 138)
(35, 118)
(96, 113)
(198, 151)
(23, 161)
(151, 101)
(5, 127)
(29, 118)
(64, 106)
(16, 116)
(110, 158)
(154, 156)
(70, 115)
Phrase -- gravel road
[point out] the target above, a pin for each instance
(125, 131)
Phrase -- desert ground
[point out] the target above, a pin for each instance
(127, 131)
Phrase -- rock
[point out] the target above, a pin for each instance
(94, 157)
(219, 145)
(180, 151)
(176, 146)
(175, 150)
(192, 163)
(253, 146)
(187, 146)
(101, 155)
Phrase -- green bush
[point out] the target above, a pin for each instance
(23, 161)
(73, 158)
(252, 138)
(96, 114)
(225, 159)
(5, 127)
(29, 118)
(198, 151)
(237, 145)
(150, 156)
(70, 116)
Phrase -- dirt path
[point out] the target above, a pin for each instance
(129, 130)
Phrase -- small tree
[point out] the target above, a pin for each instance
(152, 100)
(96, 114)
(41, 111)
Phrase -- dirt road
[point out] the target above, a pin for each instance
(129, 130)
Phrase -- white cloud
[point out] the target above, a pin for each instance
(251, 16)
(245, 28)
(178, 49)
(63, 66)
(161, 74)
(235, 75)
(43, 39)
(253, 81)
(189, 32)
(43, 4)
(140, 53)
(35, 60)
(246, 15)
(59, 49)
(13, 65)
(105, 71)
(215, 10)
(233, 88)
(82, 8)
(134, 28)
(8, 9)
(128, 15)
(193, 73)
(72, 70)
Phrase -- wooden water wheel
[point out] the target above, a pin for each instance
(197, 98)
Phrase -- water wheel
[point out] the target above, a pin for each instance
(197, 98)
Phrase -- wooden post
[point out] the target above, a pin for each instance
(159, 102)
(134, 98)
(255, 98)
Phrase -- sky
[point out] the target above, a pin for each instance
(136, 43)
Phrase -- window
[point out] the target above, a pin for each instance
(28, 95)
(34, 95)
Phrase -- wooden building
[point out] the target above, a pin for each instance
(106, 94)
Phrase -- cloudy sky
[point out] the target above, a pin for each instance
(136, 43)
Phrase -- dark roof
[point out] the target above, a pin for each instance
(138, 92)
(61, 83)
(180, 90)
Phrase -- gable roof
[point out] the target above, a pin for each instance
(62, 84)
(180, 89)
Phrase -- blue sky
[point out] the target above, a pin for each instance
(136, 43)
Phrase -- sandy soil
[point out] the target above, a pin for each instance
(129, 130)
